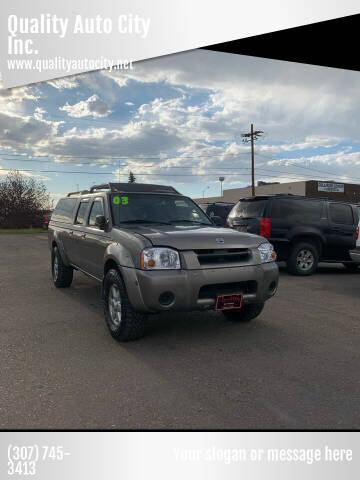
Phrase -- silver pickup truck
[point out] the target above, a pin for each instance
(155, 250)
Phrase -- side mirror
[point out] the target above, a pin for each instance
(218, 221)
(100, 222)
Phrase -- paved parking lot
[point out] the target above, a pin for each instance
(295, 367)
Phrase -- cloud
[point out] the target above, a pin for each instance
(15, 100)
(18, 132)
(188, 113)
(17, 94)
(65, 83)
(287, 100)
(93, 106)
(134, 139)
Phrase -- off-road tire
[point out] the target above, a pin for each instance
(293, 264)
(132, 323)
(63, 277)
(245, 313)
(352, 267)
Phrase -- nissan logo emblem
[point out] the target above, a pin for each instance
(219, 240)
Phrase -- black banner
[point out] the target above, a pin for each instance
(332, 44)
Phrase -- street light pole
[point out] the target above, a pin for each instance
(221, 179)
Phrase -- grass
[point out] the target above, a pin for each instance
(4, 231)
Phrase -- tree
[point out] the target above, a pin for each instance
(132, 178)
(23, 201)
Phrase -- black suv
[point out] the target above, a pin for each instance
(303, 230)
(217, 209)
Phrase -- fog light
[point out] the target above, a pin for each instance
(166, 298)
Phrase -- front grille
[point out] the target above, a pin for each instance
(223, 256)
(212, 291)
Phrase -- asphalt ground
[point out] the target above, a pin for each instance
(297, 366)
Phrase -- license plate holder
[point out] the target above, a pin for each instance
(241, 228)
(229, 301)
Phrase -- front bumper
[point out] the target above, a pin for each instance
(198, 289)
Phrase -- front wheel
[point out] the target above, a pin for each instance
(245, 313)
(303, 259)
(122, 320)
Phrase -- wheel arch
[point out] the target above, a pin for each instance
(111, 263)
(55, 242)
(130, 281)
(312, 238)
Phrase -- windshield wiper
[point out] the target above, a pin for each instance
(144, 221)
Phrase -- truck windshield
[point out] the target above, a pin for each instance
(154, 208)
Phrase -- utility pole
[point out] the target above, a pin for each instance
(252, 162)
(251, 137)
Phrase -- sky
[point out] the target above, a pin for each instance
(177, 120)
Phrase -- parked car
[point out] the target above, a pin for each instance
(47, 217)
(303, 230)
(355, 253)
(155, 250)
(217, 209)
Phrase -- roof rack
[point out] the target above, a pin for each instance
(102, 186)
(127, 188)
(80, 192)
(133, 188)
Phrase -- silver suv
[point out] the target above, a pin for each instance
(155, 250)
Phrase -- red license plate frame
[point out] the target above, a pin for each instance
(229, 301)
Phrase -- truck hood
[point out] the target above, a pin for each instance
(185, 237)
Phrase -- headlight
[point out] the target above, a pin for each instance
(267, 253)
(160, 258)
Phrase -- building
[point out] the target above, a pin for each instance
(349, 192)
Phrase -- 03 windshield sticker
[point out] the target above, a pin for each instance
(120, 200)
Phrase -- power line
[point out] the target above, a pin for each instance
(184, 167)
(225, 167)
(28, 160)
(310, 168)
(110, 164)
(158, 174)
(125, 174)
(125, 157)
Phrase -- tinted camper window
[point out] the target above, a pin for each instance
(341, 213)
(300, 210)
(64, 210)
